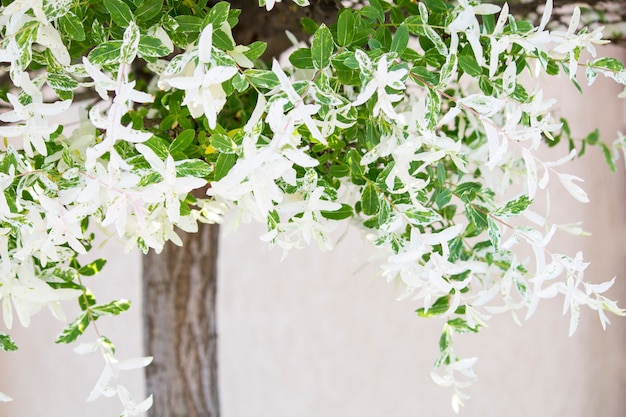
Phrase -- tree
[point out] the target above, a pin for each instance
(365, 125)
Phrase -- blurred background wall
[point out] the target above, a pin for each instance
(320, 334)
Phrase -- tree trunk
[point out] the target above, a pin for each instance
(179, 288)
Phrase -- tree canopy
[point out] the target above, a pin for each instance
(417, 122)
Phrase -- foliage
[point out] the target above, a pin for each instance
(409, 120)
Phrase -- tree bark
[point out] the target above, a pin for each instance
(179, 289)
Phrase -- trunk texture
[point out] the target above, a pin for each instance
(179, 289)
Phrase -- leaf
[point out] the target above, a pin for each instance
(223, 41)
(189, 24)
(344, 212)
(86, 300)
(422, 216)
(182, 141)
(301, 58)
(439, 307)
(610, 64)
(159, 146)
(345, 27)
(148, 9)
(218, 14)
(494, 232)
(105, 53)
(322, 47)
(369, 200)
(74, 329)
(460, 326)
(6, 343)
(443, 198)
(193, 168)
(477, 216)
(255, 50)
(130, 44)
(400, 39)
(120, 12)
(62, 82)
(224, 163)
(514, 207)
(608, 157)
(468, 63)
(113, 308)
(593, 137)
(261, 78)
(223, 143)
(93, 268)
(71, 25)
(151, 47)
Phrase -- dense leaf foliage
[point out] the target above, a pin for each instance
(410, 120)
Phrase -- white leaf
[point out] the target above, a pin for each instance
(545, 18)
(205, 44)
(531, 172)
(486, 9)
(134, 363)
(574, 190)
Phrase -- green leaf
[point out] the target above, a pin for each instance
(130, 44)
(218, 14)
(593, 137)
(514, 207)
(223, 41)
(467, 187)
(255, 50)
(443, 198)
(345, 27)
(71, 25)
(148, 9)
(468, 63)
(193, 168)
(439, 307)
(608, 157)
(113, 308)
(224, 163)
(322, 47)
(182, 141)
(610, 64)
(86, 300)
(261, 78)
(189, 24)
(373, 13)
(494, 232)
(74, 329)
(93, 268)
(400, 39)
(62, 82)
(477, 215)
(369, 200)
(151, 47)
(460, 326)
(159, 145)
(309, 25)
(120, 12)
(344, 212)
(6, 343)
(105, 53)
(301, 58)
(223, 143)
